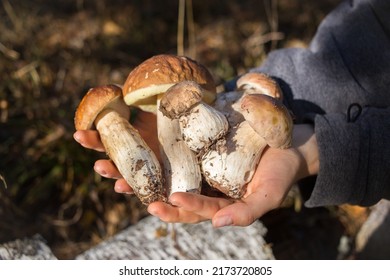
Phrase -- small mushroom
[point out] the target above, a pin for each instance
(200, 124)
(256, 120)
(250, 83)
(257, 82)
(103, 108)
(144, 88)
(269, 118)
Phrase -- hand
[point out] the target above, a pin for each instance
(277, 171)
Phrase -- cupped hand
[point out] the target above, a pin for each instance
(272, 180)
(277, 171)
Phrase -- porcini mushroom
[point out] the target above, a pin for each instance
(104, 109)
(269, 118)
(257, 82)
(255, 120)
(249, 83)
(144, 87)
(200, 124)
(149, 80)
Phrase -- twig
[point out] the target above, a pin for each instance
(25, 69)
(191, 29)
(3, 180)
(53, 136)
(3, 111)
(180, 28)
(8, 52)
(263, 38)
(271, 10)
(11, 14)
(61, 222)
(69, 222)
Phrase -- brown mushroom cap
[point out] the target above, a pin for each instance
(180, 98)
(158, 73)
(269, 118)
(255, 82)
(95, 101)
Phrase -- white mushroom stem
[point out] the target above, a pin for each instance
(230, 165)
(134, 159)
(200, 124)
(181, 168)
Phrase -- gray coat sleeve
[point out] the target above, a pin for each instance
(347, 62)
(354, 158)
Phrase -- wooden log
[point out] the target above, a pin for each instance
(34, 248)
(152, 239)
(373, 239)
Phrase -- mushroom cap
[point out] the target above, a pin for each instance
(180, 98)
(95, 101)
(256, 82)
(158, 73)
(269, 118)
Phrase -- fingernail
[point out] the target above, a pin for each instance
(223, 221)
(153, 212)
(76, 136)
(119, 189)
(100, 171)
(175, 203)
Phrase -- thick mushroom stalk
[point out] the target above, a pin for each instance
(200, 124)
(103, 108)
(230, 164)
(144, 87)
(255, 120)
(182, 172)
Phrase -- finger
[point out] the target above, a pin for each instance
(121, 186)
(89, 139)
(201, 205)
(270, 184)
(106, 168)
(171, 214)
(246, 211)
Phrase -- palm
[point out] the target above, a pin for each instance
(266, 191)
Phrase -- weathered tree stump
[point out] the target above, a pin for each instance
(33, 248)
(152, 239)
(373, 239)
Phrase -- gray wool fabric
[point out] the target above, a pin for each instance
(347, 65)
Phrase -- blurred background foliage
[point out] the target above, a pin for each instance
(51, 52)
